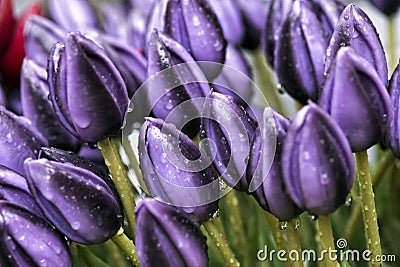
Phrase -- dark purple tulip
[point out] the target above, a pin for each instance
(195, 26)
(87, 91)
(356, 30)
(356, 98)
(129, 62)
(393, 135)
(231, 127)
(241, 21)
(229, 81)
(18, 140)
(14, 189)
(278, 10)
(300, 52)
(175, 171)
(73, 15)
(389, 7)
(317, 163)
(3, 99)
(38, 108)
(115, 19)
(271, 195)
(40, 34)
(164, 53)
(166, 237)
(78, 203)
(28, 240)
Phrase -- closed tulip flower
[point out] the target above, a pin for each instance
(317, 163)
(28, 240)
(166, 237)
(79, 203)
(175, 171)
(352, 84)
(265, 167)
(393, 135)
(86, 89)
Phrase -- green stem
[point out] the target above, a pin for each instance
(368, 206)
(115, 254)
(392, 43)
(294, 244)
(90, 258)
(221, 243)
(127, 246)
(277, 233)
(112, 158)
(266, 80)
(326, 241)
(383, 166)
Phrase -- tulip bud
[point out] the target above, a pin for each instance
(169, 95)
(78, 203)
(37, 107)
(28, 240)
(393, 134)
(14, 189)
(231, 127)
(229, 81)
(166, 236)
(355, 97)
(129, 62)
(265, 167)
(389, 7)
(317, 163)
(7, 23)
(18, 140)
(300, 52)
(87, 91)
(175, 171)
(40, 34)
(195, 26)
(356, 30)
(73, 15)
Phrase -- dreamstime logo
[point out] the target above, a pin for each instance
(183, 112)
(331, 254)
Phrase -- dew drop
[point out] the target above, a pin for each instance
(349, 201)
(312, 217)
(283, 225)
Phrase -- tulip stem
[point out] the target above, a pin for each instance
(326, 241)
(90, 258)
(293, 241)
(118, 171)
(265, 80)
(221, 243)
(383, 165)
(368, 206)
(392, 43)
(277, 233)
(127, 246)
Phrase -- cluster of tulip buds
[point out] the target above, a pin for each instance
(75, 67)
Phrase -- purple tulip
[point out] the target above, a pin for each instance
(271, 193)
(317, 163)
(195, 26)
(300, 51)
(229, 81)
(129, 62)
(37, 107)
(3, 99)
(356, 30)
(87, 91)
(18, 140)
(393, 134)
(231, 127)
(175, 171)
(389, 7)
(40, 34)
(29, 240)
(171, 98)
(79, 203)
(14, 189)
(73, 15)
(356, 98)
(166, 237)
